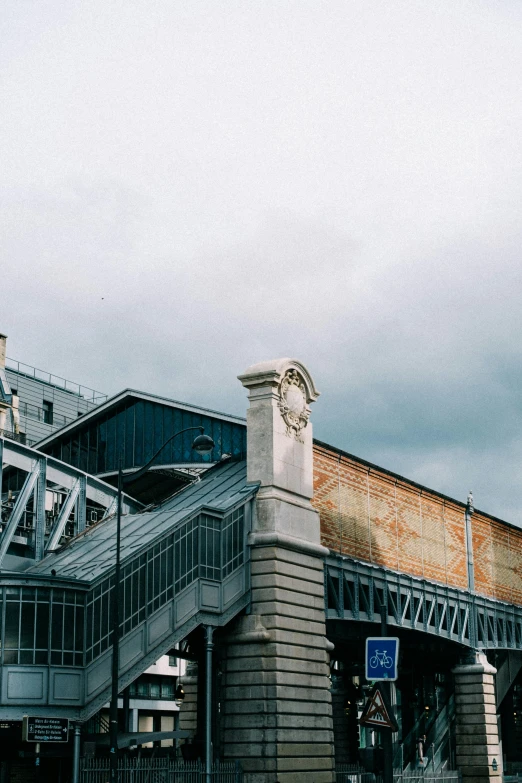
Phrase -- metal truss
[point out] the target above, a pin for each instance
(47, 477)
(356, 591)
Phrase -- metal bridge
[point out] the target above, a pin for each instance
(356, 591)
(51, 498)
(184, 563)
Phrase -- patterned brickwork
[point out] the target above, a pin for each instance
(373, 516)
(497, 551)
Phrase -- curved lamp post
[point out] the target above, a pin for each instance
(203, 444)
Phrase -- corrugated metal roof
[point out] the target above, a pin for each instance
(93, 553)
(135, 393)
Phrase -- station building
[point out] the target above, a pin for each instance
(266, 565)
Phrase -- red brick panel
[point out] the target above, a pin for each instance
(433, 538)
(372, 516)
(353, 497)
(409, 530)
(455, 544)
(515, 552)
(383, 520)
(483, 555)
(326, 499)
(497, 551)
(500, 566)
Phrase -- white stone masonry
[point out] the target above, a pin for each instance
(276, 705)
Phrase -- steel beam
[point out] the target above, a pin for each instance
(63, 516)
(81, 506)
(49, 472)
(1, 466)
(354, 591)
(19, 508)
(63, 475)
(39, 508)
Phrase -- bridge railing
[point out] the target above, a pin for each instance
(356, 591)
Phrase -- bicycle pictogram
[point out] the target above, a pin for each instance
(381, 658)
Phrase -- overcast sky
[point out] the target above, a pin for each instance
(190, 187)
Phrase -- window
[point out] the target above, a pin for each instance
(153, 687)
(173, 661)
(36, 619)
(167, 688)
(47, 412)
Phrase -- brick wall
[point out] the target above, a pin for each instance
(497, 550)
(373, 516)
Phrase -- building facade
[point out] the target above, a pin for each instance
(39, 403)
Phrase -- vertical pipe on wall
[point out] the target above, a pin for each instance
(76, 753)
(115, 596)
(369, 517)
(208, 702)
(340, 516)
(469, 542)
(396, 520)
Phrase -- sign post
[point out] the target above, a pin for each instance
(381, 665)
(37, 729)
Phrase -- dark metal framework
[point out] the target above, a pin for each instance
(77, 500)
(356, 591)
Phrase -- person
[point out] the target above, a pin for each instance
(421, 750)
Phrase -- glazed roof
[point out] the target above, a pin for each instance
(92, 554)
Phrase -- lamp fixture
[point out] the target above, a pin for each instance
(203, 444)
(179, 696)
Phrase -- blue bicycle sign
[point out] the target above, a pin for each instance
(381, 658)
(382, 653)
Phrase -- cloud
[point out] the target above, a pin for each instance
(189, 189)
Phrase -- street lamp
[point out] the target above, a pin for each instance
(202, 444)
(179, 695)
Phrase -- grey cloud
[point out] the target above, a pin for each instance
(188, 189)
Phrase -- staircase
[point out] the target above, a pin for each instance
(183, 564)
(438, 741)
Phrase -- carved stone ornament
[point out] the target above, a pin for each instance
(292, 403)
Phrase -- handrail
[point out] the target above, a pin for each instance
(408, 744)
(79, 390)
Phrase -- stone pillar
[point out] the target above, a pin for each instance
(476, 729)
(276, 702)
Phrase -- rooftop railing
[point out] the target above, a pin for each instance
(77, 389)
(19, 437)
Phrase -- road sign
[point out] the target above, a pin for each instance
(382, 655)
(45, 729)
(377, 713)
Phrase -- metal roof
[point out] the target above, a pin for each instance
(92, 554)
(95, 412)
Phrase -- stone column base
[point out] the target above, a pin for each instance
(476, 723)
